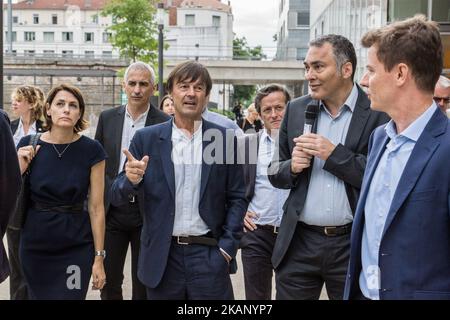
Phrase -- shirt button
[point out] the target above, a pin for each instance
(328, 209)
(329, 185)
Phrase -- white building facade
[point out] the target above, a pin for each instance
(201, 30)
(59, 28)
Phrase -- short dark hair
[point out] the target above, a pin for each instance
(81, 124)
(265, 91)
(192, 71)
(415, 42)
(343, 50)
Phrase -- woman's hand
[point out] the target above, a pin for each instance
(98, 274)
(26, 155)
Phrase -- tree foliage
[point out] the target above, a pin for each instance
(134, 30)
(242, 51)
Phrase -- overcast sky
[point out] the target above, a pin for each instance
(257, 21)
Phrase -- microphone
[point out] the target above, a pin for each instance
(311, 112)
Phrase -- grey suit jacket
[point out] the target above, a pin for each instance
(347, 162)
(109, 134)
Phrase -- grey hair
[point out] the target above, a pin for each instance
(443, 82)
(139, 65)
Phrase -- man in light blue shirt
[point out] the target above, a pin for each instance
(264, 214)
(323, 171)
(400, 238)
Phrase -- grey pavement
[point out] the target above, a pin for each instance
(237, 280)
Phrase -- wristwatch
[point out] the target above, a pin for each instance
(101, 253)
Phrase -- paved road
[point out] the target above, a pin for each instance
(237, 279)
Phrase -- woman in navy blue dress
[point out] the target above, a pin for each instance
(62, 241)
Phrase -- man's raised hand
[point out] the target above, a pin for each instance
(135, 169)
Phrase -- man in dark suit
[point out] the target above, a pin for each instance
(324, 171)
(194, 196)
(400, 241)
(115, 130)
(264, 213)
(9, 185)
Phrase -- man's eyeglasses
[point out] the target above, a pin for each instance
(444, 100)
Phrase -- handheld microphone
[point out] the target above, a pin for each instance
(311, 112)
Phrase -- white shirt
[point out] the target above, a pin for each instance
(187, 164)
(267, 201)
(130, 127)
(20, 133)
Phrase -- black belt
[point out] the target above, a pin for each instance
(329, 231)
(185, 240)
(71, 208)
(268, 227)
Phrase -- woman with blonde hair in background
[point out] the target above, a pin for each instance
(62, 241)
(27, 103)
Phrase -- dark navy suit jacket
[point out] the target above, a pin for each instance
(414, 256)
(9, 185)
(222, 203)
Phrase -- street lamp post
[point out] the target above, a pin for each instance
(160, 21)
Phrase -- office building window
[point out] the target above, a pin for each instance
(190, 20)
(49, 53)
(106, 37)
(29, 53)
(402, 9)
(89, 54)
(35, 18)
(107, 54)
(94, 18)
(67, 53)
(88, 37)
(49, 37)
(301, 53)
(14, 36)
(29, 36)
(441, 11)
(303, 19)
(216, 21)
(67, 36)
(15, 19)
(54, 19)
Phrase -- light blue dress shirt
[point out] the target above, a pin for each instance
(379, 197)
(222, 121)
(326, 202)
(187, 164)
(267, 202)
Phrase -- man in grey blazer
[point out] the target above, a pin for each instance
(115, 129)
(324, 171)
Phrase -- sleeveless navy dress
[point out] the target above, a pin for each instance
(56, 248)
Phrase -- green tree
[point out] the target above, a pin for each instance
(134, 31)
(242, 51)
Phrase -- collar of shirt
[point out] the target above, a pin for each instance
(265, 136)
(143, 115)
(350, 102)
(178, 134)
(31, 129)
(414, 130)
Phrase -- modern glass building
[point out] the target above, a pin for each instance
(293, 29)
(352, 18)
